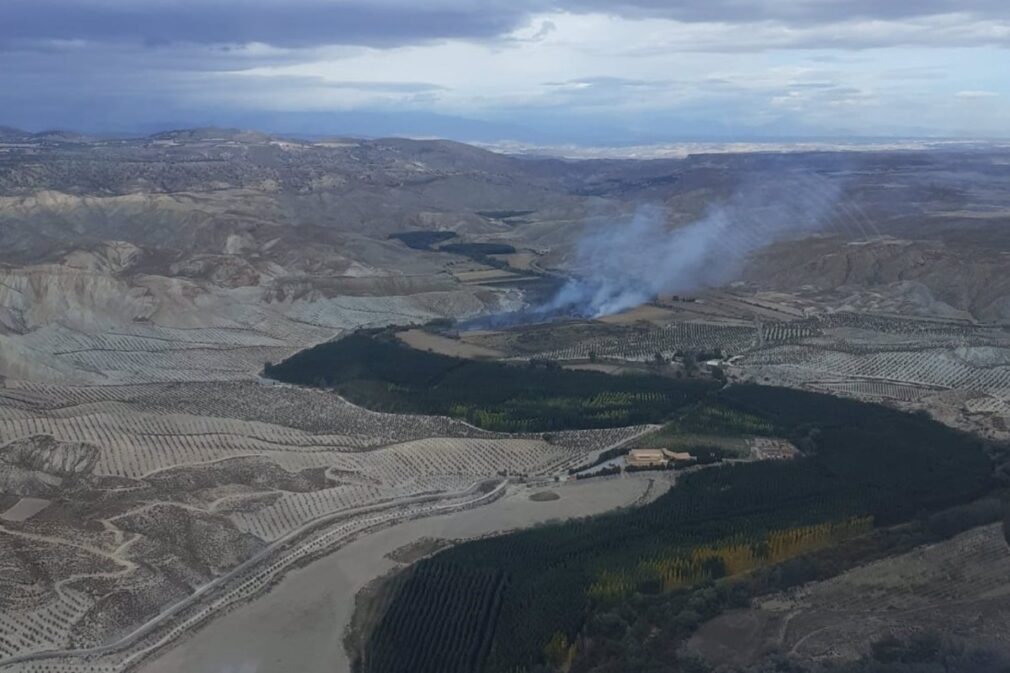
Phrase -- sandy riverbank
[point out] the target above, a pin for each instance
(299, 625)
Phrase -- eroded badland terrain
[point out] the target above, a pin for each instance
(153, 480)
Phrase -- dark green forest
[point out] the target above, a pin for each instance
(561, 581)
(567, 596)
(478, 250)
(377, 371)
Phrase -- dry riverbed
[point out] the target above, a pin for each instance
(299, 625)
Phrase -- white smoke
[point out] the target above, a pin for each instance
(619, 266)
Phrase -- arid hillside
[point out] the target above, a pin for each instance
(151, 480)
(202, 254)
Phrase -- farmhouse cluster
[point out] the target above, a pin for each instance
(659, 458)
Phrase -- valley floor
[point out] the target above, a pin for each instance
(299, 625)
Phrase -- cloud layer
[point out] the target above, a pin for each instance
(582, 70)
(301, 23)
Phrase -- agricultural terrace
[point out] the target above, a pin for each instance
(938, 368)
(187, 481)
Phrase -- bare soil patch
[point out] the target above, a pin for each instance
(957, 587)
(423, 340)
(418, 549)
(524, 261)
(482, 275)
(657, 315)
(25, 509)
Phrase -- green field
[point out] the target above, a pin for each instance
(868, 466)
(377, 371)
(713, 426)
(478, 250)
(522, 602)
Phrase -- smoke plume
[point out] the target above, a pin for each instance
(622, 265)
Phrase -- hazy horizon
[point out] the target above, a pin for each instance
(674, 147)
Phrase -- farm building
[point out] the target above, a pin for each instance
(646, 458)
(655, 457)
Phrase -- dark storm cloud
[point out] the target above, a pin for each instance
(308, 65)
(296, 23)
(302, 23)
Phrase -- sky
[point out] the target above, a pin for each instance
(592, 72)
